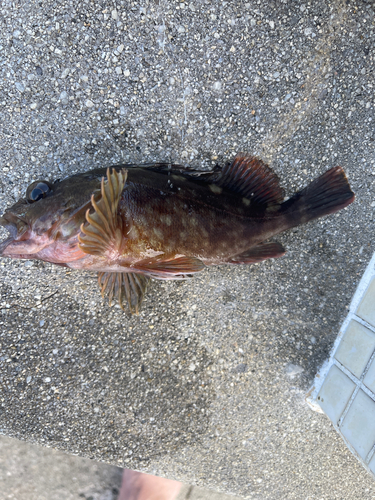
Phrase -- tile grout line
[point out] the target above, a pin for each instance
(332, 360)
(359, 386)
(358, 383)
(352, 316)
(370, 455)
(347, 407)
(353, 378)
(363, 322)
(362, 287)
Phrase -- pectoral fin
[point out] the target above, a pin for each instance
(171, 269)
(258, 253)
(102, 235)
(129, 286)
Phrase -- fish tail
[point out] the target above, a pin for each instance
(326, 195)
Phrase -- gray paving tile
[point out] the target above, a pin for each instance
(356, 348)
(358, 426)
(366, 308)
(335, 393)
(369, 379)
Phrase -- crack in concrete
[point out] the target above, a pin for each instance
(319, 66)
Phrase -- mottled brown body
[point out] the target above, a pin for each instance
(176, 215)
(162, 221)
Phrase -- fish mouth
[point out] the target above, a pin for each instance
(16, 245)
(22, 243)
(10, 226)
(12, 229)
(4, 244)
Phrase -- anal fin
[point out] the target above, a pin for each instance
(129, 286)
(259, 253)
(177, 268)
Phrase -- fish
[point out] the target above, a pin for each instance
(136, 222)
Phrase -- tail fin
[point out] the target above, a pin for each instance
(326, 195)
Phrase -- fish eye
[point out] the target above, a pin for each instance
(38, 190)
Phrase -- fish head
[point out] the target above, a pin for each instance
(49, 213)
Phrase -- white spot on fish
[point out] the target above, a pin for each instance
(133, 233)
(168, 220)
(149, 253)
(142, 220)
(246, 201)
(215, 189)
(204, 232)
(158, 233)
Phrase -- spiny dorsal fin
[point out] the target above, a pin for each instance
(252, 179)
(129, 286)
(103, 234)
(171, 168)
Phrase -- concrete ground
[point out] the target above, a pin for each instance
(207, 384)
(30, 472)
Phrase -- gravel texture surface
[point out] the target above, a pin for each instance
(207, 385)
(30, 472)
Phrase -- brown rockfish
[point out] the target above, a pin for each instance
(131, 223)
